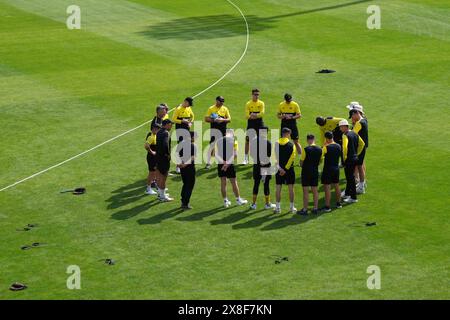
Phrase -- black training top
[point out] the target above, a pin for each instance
(311, 157)
(163, 143)
(332, 154)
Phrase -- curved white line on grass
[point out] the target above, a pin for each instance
(147, 122)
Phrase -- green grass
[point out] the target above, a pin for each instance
(63, 92)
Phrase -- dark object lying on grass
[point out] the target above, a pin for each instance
(279, 259)
(76, 191)
(34, 245)
(108, 261)
(16, 286)
(326, 71)
(363, 224)
(28, 227)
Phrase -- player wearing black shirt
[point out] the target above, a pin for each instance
(330, 176)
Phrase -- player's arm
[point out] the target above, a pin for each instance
(298, 114)
(302, 158)
(291, 159)
(280, 114)
(247, 111)
(262, 110)
(361, 145)
(175, 116)
(165, 144)
(344, 147)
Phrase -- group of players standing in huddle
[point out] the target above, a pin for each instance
(341, 147)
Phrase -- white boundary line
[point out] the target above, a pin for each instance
(145, 123)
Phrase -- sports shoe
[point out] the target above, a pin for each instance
(315, 211)
(326, 209)
(177, 170)
(277, 210)
(208, 166)
(245, 161)
(151, 192)
(350, 200)
(293, 210)
(269, 206)
(226, 203)
(338, 205)
(253, 206)
(241, 201)
(361, 188)
(188, 207)
(165, 199)
(303, 212)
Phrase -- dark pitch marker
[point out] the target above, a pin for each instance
(280, 259)
(76, 191)
(28, 227)
(326, 71)
(16, 286)
(108, 261)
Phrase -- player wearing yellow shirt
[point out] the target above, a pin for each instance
(254, 112)
(183, 117)
(288, 113)
(218, 116)
(329, 124)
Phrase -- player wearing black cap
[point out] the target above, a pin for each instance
(150, 146)
(352, 146)
(187, 156)
(285, 154)
(310, 160)
(218, 116)
(288, 113)
(330, 176)
(261, 151)
(163, 149)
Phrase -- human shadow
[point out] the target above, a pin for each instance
(223, 25)
(203, 214)
(127, 194)
(257, 222)
(161, 217)
(132, 212)
(295, 219)
(235, 217)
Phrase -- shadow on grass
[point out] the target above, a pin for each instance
(127, 194)
(235, 217)
(223, 25)
(161, 217)
(203, 214)
(130, 213)
(294, 220)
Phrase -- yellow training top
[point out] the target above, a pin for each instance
(257, 107)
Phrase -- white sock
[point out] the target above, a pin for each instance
(292, 205)
(278, 205)
(162, 192)
(225, 199)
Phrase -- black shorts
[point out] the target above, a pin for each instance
(255, 125)
(213, 137)
(257, 172)
(294, 130)
(361, 157)
(330, 176)
(230, 173)
(288, 178)
(163, 165)
(310, 179)
(151, 161)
